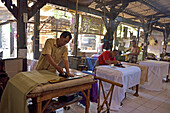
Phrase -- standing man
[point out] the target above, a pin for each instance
(54, 51)
(108, 57)
(135, 50)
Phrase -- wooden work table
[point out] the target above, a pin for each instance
(40, 97)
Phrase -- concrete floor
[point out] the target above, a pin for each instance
(147, 102)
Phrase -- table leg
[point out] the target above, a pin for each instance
(87, 101)
(136, 93)
(38, 106)
(167, 78)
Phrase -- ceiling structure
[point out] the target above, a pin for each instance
(142, 11)
(137, 12)
(148, 14)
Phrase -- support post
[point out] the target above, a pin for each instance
(76, 34)
(115, 36)
(21, 32)
(146, 33)
(166, 33)
(36, 35)
(111, 26)
(138, 35)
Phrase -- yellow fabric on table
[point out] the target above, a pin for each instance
(144, 72)
(14, 96)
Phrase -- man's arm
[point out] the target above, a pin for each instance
(107, 59)
(136, 52)
(52, 62)
(111, 62)
(66, 64)
(128, 49)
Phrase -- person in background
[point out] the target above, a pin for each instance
(108, 57)
(54, 51)
(135, 50)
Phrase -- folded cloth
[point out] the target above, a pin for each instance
(14, 95)
(144, 72)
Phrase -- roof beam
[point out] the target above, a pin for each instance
(154, 16)
(149, 5)
(132, 13)
(128, 21)
(162, 24)
(72, 6)
(100, 4)
(11, 7)
(158, 29)
(152, 7)
(38, 5)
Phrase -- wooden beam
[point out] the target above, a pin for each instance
(37, 6)
(71, 5)
(158, 29)
(131, 13)
(36, 36)
(149, 5)
(100, 4)
(128, 21)
(11, 7)
(105, 23)
(154, 8)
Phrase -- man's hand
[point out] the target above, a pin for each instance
(60, 69)
(118, 62)
(70, 75)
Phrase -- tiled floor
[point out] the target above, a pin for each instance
(147, 102)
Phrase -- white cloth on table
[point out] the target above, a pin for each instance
(129, 76)
(157, 70)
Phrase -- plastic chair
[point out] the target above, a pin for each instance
(90, 63)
